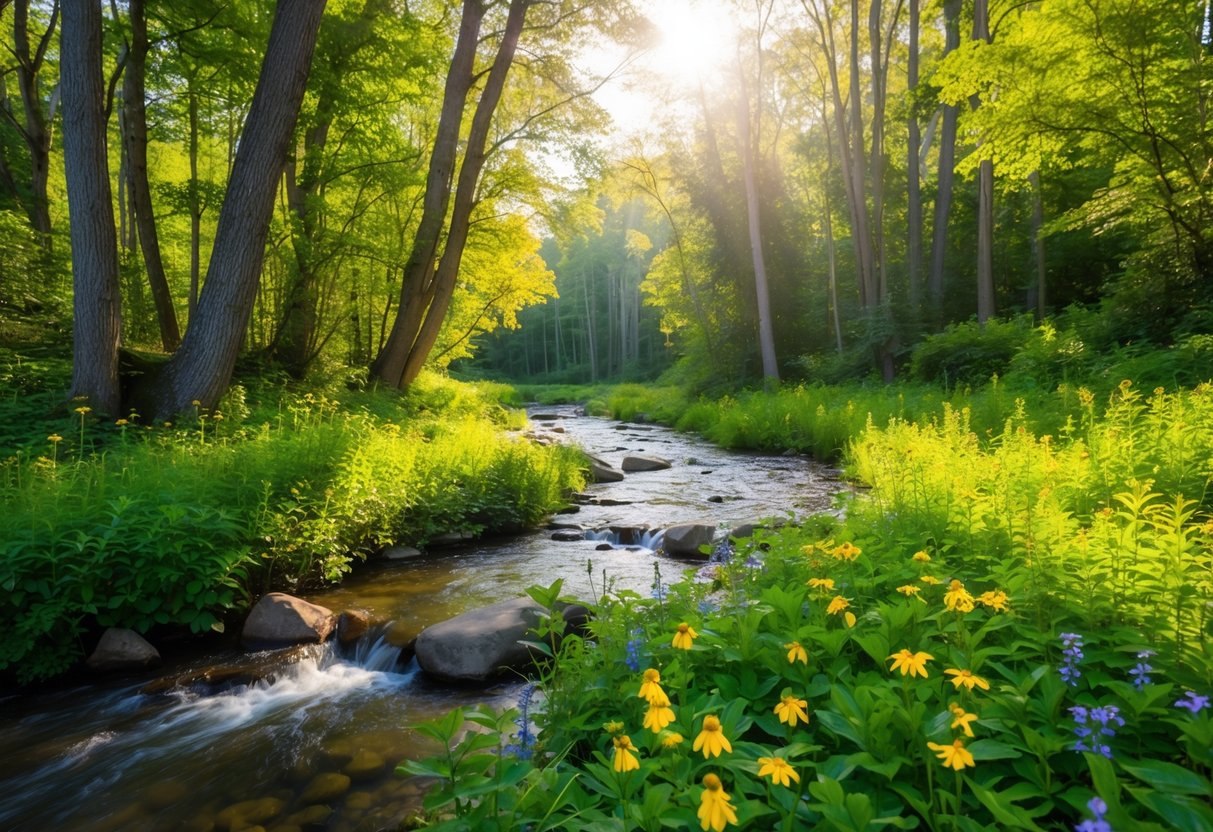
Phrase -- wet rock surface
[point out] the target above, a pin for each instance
(278, 620)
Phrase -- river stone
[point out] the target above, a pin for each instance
(311, 818)
(279, 619)
(248, 813)
(480, 644)
(567, 535)
(365, 765)
(401, 553)
(603, 471)
(324, 788)
(122, 649)
(686, 538)
(352, 625)
(641, 462)
(359, 801)
(604, 547)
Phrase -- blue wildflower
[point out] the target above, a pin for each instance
(1097, 823)
(1093, 725)
(635, 659)
(706, 606)
(1141, 671)
(525, 746)
(1192, 702)
(1072, 652)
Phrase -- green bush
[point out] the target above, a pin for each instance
(969, 353)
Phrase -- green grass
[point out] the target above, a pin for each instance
(179, 525)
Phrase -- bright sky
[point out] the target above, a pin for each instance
(697, 42)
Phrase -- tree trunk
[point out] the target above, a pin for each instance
(416, 288)
(1038, 245)
(135, 113)
(97, 324)
(195, 201)
(913, 174)
(947, 171)
(985, 195)
(417, 348)
(36, 131)
(766, 333)
(202, 368)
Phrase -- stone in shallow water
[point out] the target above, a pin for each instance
(686, 538)
(401, 553)
(359, 800)
(248, 813)
(311, 818)
(480, 644)
(365, 765)
(279, 619)
(567, 535)
(325, 788)
(640, 462)
(352, 625)
(122, 649)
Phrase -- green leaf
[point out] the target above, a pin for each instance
(992, 750)
(1007, 814)
(1168, 777)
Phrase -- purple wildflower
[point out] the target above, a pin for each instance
(1192, 702)
(1096, 824)
(524, 748)
(1072, 652)
(634, 656)
(1141, 671)
(1092, 725)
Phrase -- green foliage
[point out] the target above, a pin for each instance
(969, 353)
(177, 525)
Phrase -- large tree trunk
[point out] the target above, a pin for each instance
(766, 333)
(947, 171)
(97, 323)
(410, 346)
(135, 113)
(985, 195)
(202, 368)
(195, 203)
(419, 273)
(36, 130)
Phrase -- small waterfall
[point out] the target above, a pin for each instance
(650, 539)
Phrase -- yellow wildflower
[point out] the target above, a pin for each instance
(911, 664)
(650, 689)
(796, 653)
(715, 812)
(821, 583)
(921, 557)
(966, 678)
(849, 617)
(958, 598)
(84, 409)
(623, 759)
(54, 437)
(778, 769)
(791, 709)
(122, 422)
(613, 727)
(196, 403)
(847, 551)
(962, 719)
(909, 590)
(837, 605)
(954, 756)
(671, 740)
(685, 636)
(711, 738)
(994, 599)
(658, 717)
(930, 580)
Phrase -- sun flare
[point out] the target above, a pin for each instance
(697, 38)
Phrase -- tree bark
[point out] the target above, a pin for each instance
(1038, 246)
(414, 346)
(913, 173)
(97, 322)
(766, 333)
(135, 137)
(985, 195)
(36, 130)
(947, 172)
(202, 368)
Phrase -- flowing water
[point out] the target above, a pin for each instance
(263, 747)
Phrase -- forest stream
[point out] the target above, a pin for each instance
(313, 743)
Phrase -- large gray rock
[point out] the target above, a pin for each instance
(121, 649)
(401, 553)
(602, 471)
(641, 462)
(686, 538)
(279, 619)
(480, 644)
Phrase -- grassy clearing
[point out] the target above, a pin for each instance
(178, 525)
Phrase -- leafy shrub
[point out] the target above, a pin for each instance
(969, 353)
